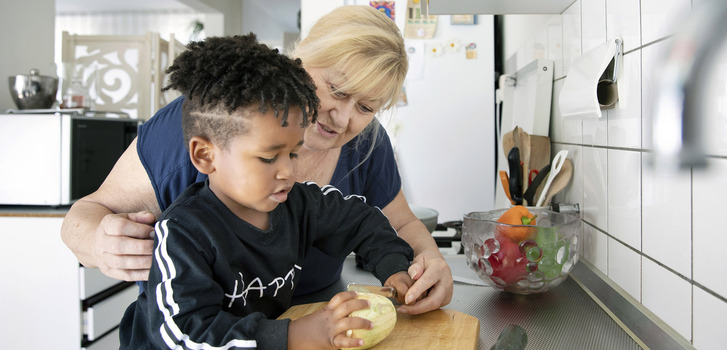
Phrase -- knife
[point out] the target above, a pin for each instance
(389, 292)
(516, 178)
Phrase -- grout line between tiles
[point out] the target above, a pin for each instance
(691, 242)
(641, 225)
(632, 149)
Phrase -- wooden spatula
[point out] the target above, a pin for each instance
(525, 157)
(560, 181)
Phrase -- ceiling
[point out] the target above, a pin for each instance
(63, 6)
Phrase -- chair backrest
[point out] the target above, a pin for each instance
(166, 51)
(122, 73)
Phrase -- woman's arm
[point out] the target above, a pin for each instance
(111, 228)
(431, 273)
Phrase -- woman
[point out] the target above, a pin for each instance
(356, 57)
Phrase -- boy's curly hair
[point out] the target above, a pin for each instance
(223, 75)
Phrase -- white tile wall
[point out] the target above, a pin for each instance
(666, 206)
(716, 104)
(623, 20)
(595, 247)
(710, 318)
(710, 190)
(624, 196)
(661, 18)
(668, 296)
(595, 130)
(595, 187)
(571, 35)
(658, 236)
(623, 268)
(593, 23)
(555, 45)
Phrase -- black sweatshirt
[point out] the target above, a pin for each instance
(217, 281)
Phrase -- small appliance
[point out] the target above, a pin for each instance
(54, 157)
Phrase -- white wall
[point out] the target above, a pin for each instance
(229, 12)
(270, 19)
(658, 236)
(27, 41)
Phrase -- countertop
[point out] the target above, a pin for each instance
(565, 317)
(33, 211)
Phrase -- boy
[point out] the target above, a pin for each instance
(229, 250)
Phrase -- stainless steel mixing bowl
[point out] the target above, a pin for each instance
(33, 91)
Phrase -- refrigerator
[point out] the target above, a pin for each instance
(443, 132)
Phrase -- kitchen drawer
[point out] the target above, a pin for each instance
(106, 314)
(93, 281)
(108, 342)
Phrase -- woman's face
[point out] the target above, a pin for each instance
(340, 116)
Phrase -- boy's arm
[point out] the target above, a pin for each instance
(185, 304)
(348, 224)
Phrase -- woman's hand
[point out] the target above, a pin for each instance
(326, 329)
(433, 286)
(401, 282)
(123, 245)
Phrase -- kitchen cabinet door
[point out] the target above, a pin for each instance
(108, 342)
(39, 297)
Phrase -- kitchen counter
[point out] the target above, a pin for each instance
(33, 211)
(565, 317)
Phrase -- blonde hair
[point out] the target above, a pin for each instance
(365, 45)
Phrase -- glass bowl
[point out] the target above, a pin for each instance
(539, 260)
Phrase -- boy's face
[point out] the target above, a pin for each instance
(256, 172)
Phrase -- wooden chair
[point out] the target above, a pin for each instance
(123, 73)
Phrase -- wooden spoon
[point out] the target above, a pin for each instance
(508, 142)
(539, 152)
(560, 181)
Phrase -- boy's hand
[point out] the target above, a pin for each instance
(401, 282)
(326, 329)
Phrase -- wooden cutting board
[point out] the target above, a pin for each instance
(438, 329)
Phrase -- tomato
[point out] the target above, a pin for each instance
(509, 263)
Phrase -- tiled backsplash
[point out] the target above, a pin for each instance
(658, 236)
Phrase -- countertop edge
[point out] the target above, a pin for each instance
(33, 211)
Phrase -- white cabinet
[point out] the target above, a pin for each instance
(39, 297)
(105, 315)
(109, 342)
(47, 301)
